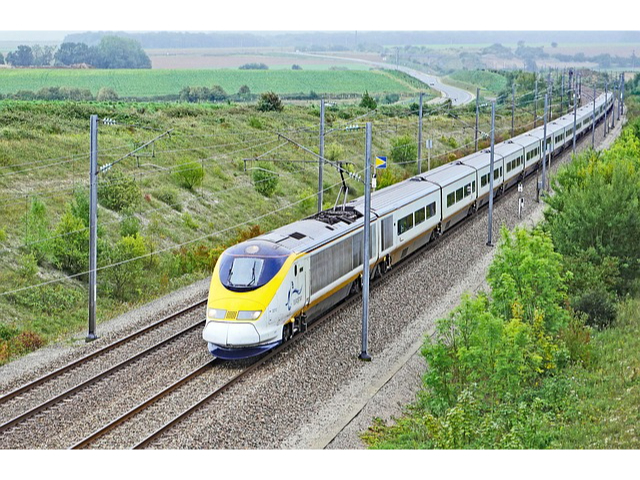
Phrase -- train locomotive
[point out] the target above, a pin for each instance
(266, 289)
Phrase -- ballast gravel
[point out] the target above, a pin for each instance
(317, 393)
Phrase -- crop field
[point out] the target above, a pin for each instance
(153, 83)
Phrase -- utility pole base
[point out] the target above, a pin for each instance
(91, 337)
(364, 356)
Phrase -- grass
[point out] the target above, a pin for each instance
(606, 413)
(155, 83)
(492, 82)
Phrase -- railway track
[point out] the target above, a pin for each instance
(59, 386)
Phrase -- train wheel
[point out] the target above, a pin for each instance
(287, 332)
(356, 286)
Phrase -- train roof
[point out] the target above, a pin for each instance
(446, 174)
(310, 233)
(507, 147)
(480, 159)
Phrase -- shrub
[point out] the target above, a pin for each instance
(368, 102)
(124, 279)
(189, 175)
(264, 181)
(106, 94)
(118, 191)
(270, 102)
(37, 230)
(404, 150)
(169, 196)
(599, 306)
(70, 245)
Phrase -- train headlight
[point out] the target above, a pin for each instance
(249, 314)
(216, 313)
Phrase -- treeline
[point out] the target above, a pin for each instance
(105, 94)
(111, 52)
(505, 368)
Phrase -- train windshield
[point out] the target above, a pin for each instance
(251, 265)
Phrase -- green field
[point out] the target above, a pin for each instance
(153, 83)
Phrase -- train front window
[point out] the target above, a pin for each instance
(245, 272)
(246, 267)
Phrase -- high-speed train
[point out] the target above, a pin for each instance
(266, 289)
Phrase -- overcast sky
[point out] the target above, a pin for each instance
(292, 15)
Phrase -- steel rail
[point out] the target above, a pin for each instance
(8, 396)
(95, 378)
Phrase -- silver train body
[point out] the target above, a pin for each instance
(267, 288)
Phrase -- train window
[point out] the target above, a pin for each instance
(467, 190)
(242, 269)
(405, 224)
(473, 186)
(420, 216)
(451, 199)
(431, 210)
(484, 180)
(460, 194)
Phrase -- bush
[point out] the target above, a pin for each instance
(37, 230)
(404, 150)
(106, 94)
(169, 196)
(189, 175)
(70, 245)
(598, 305)
(124, 279)
(264, 181)
(270, 102)
(118, 191)
(368, 102)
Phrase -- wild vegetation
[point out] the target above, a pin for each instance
(549, 358)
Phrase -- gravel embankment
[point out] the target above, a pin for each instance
(317, 393)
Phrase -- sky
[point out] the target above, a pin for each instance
(295, 15)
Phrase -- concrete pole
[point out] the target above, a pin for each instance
(606, 94)
(364, 355)
(321, 158)
(513, 108)
(93, 226)
(544, 144)
(575, 118)
(535, 104)
(477, 114)
(593, 124)
(420, 137)
(491, 163)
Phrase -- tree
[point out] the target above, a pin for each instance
(118, 52)
(527, 274)
(106, 94)
(71, 53)
(270, 102)
(1, 59)
(368, 101)
(22, 57)
(42, 56)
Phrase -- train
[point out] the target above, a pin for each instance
(268, 288)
